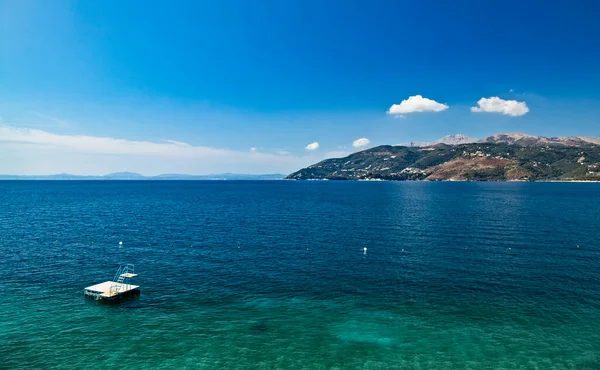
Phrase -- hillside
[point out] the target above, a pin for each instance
(481, 161)
(532, 140)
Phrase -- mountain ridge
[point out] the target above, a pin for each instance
(500, 157)
(517, 138)
(522, 139)
(453, 139)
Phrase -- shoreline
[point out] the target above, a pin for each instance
(383, 180)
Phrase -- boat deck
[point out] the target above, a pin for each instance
(103, 290)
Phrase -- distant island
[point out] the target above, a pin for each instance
(500, 157)
(137, 176)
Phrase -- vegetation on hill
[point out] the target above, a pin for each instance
(475, 161)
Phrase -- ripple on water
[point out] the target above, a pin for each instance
(456, 275)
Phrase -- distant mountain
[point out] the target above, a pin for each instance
(137, 176)
(482, 161)
(515, 138)
(455, 139)
(222, 176)
(124, 176)
(532, 140)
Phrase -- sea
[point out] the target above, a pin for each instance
(301, 275)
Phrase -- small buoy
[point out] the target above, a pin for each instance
(120, 243)
(56, 241)
(92, 242)
(238, 247)
(509, 249)
(306, 248)
(577, 246)
(402, 250)
(190, 246)
(148, 244)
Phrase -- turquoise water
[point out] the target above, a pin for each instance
(272, 275)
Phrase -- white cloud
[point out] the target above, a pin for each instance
(33, 151)
(105, 145)
(176, 142)
(361, 142)
(496, 105)
(312, 146)
(416, 103)
(253, 149)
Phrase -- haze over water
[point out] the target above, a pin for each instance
(272, 275)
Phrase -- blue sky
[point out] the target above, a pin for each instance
(246, 86)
